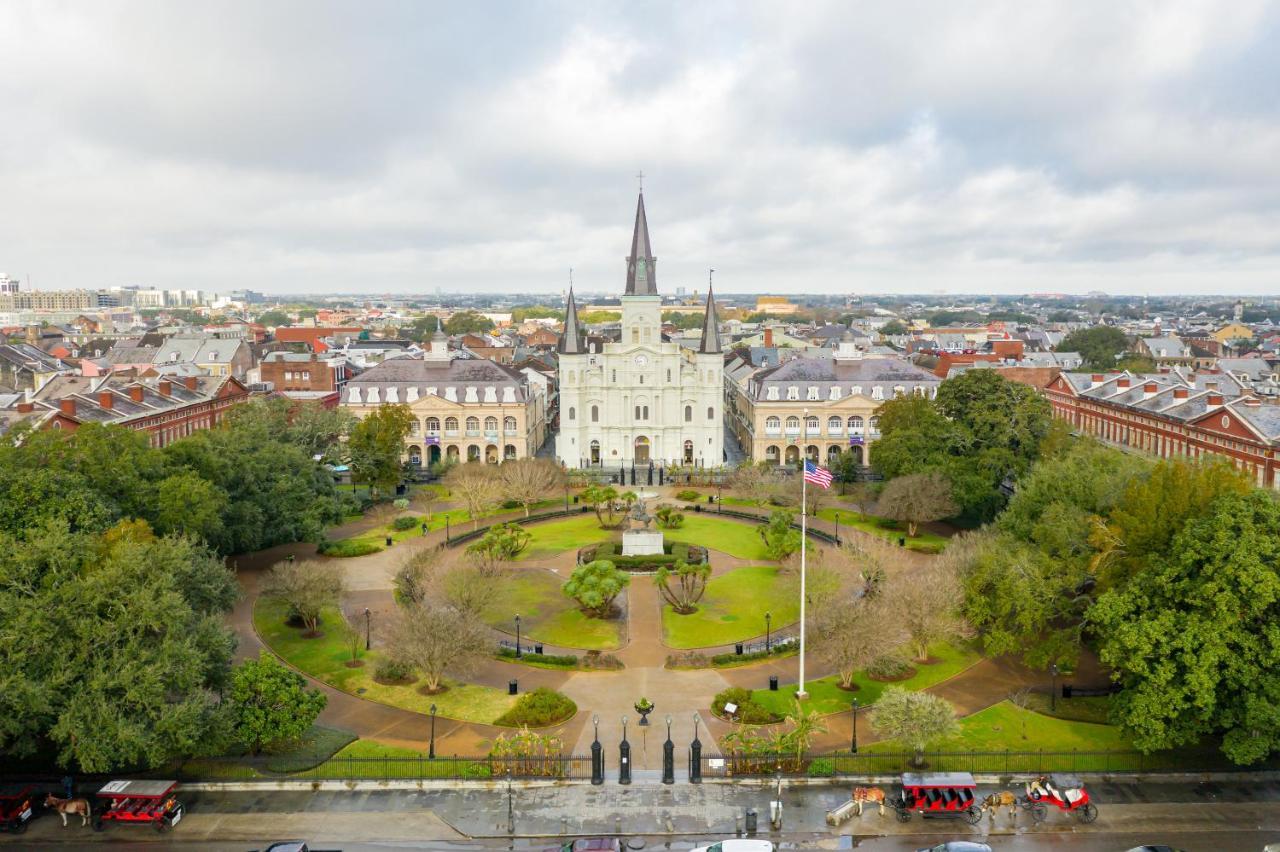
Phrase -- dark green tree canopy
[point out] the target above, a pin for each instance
(468, 322)
(1099, 346)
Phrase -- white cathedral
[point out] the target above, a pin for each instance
(640, 399)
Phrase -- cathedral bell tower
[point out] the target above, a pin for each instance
(641, 304)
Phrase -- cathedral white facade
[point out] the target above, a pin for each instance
(640, 399)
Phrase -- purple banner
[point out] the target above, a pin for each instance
(432, 439)
(855, 441)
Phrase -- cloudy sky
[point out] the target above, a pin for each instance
(1012, 147)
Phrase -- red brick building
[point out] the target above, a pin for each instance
(167, 407)
(1175, 414)
(292, 372)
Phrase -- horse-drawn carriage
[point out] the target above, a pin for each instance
(18, 804)
(139, 802)
(938, 795)
(1065, 792)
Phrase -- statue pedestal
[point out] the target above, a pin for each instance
(641, 542)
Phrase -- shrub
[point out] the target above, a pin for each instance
(347, 548)
(687, 660)
(822, 767)
(511, 504)
(730, 659)
(401, 503)
(595, 585)
(565, 660)
(404, 522)
(669, 518)
(888, 667)
(538, 709)
(688, 495)
(501, 541)
(603, 662)
(748, 712)
(392, 670)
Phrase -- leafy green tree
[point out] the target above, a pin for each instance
(375, 446)
(602, 499)
(595, 586)
(114, 646)
(502, 542)
(915, 719)
(1099, 346)
(421, 329)
(893, 327)
(669, 517)
(468, 322)
(780, 538)
(270, 705)
(683, 585)
(273, 318)
(598, 317)
(186, 504)
(1193, 640)
(520, 314)
(999, 414)
(682, 319)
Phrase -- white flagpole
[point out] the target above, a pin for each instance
(804, 535)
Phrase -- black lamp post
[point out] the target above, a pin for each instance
(853, 742)
(366, 628)
(517, 636)
(431, 752)
(695, 755)
(668, 757)
(837, 527)
(624, 756)
(1053, 687)
(768, 632)
(566, 499)
(719, 496)
(597, 754)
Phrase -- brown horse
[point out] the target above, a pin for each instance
(70, 806)
(1003, 799)
(872, 795)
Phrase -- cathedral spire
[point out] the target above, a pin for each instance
(641, 265)
(571, 342)
(710, 328)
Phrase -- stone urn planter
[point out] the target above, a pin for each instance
(644, 707)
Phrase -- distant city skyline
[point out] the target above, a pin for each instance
(311, 148)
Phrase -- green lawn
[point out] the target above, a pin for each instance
(324, 658)
(925, 541)
(733, 537)
(549, 615)
(825, 696)
(553, 537)
(1005, 726)
(732, 609)
(458, 520)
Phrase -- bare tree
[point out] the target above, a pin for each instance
(757, 482)
(477, 486)
(433, 638)
(851, 634)
(307, 587)
(916, 499)
(863, 496)
(530, 480)
(1021, 699)
(926, 602)
(470, 585)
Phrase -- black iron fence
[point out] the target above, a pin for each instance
(421, 768)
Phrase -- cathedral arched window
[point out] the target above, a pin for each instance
(572, 377)
(688, 414)
(668, 376)
(572, 412)
(711, 412)
(595, 414)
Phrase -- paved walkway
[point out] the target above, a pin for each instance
(608, 695)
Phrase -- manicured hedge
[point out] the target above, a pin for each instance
(568, 661)
(347, 548)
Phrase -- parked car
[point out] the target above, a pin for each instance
(738, 844)
(589, 844)
(957, 846)
(1160, 848)
(294, 846)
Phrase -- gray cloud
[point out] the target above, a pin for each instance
(307, 147)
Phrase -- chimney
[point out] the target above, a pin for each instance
(26, 407)
(189, 382)
(1211, 386)
(1149, 389)
(1252, 401)
(1095, 380)
(1215, 400)
(768, 335)
(135, 393)
(1164, 371)
(1180, 393)
(166, 387)
(68, 407)
(1123, 383)
(106, 400)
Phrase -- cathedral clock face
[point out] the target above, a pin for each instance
(641, 360)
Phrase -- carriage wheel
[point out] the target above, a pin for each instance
(973, 816)
(1023, 802)
(1039, 811)
(161, 827)
(904, 815)
(98, 824)
(18, 827)
(1089, 812)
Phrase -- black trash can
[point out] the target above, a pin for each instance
(537, 647)
(1066, 690)
(388, 541)
(511, 687)
(737, 649)
(752, 821)
(902, 542)
(773, 683)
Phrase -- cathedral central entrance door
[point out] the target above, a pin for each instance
(595, 452)
(688, 452)
(642, 450)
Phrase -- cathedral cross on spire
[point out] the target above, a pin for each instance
(640, 177)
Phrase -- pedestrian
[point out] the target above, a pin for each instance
(68, 787)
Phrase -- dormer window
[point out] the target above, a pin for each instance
(856, 390)
(793, 392)
(877, 392)
(812, 393)
(771, 393)
(835, 392)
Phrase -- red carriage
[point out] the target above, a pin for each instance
(938, 795)
(18, 803)
(139, 802)
(1065, 792)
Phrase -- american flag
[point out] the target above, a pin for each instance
(819, 476)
